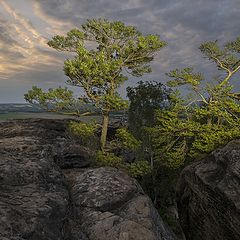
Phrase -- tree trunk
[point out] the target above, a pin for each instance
(104, 130)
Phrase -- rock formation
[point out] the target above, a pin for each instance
(50, 191)
(208, 196)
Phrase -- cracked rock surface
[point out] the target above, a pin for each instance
(208, 195)
(49, 192)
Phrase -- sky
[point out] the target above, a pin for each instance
(27, 25)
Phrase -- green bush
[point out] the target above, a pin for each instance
(84, 130)
(127, 140)
(139, 168)
(108, 159)
(136, 169)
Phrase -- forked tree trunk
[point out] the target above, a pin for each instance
(104, 129)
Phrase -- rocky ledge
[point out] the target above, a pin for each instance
(208, 195)
(49, 191)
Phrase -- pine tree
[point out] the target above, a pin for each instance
(212, 118)
(103, 52)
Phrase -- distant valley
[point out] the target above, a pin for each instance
(18, 107)
(10, 111)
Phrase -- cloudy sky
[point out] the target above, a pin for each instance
(26, 26)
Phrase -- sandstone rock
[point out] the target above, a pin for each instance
(208, 196)
(111, 205)
(47, 193)
(34, 197)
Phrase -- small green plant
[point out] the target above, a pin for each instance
(139, 168)
(108, 159)
(136, 169)
(84, 130)
(126, 139)
(86, 133)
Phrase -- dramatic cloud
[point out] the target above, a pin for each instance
(22, 47)
(26, 25)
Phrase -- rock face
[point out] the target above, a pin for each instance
(48, 191)
(208, 195)
(111, 205)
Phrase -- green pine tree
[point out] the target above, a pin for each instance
(211, 118)
(103, 52)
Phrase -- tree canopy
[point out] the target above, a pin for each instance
(105, 53)
(210, 119)
(145, 99)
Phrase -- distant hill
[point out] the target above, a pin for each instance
(19, 107)
(22, 111)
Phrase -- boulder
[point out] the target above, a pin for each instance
(49, 192)
(110, 205)
(208, 196)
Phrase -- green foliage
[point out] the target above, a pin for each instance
(138, 169)
(234, 46)
(86, 133)
(192, 128)
(225, 58)
(82, 129)
(145, 99)
(126, 139)
(115, 102)
(108, 159)
(55, 100)
(211, 137)
(169, 136)
(184, 76)
(99, 70)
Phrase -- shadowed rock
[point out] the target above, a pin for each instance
(208, 195)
